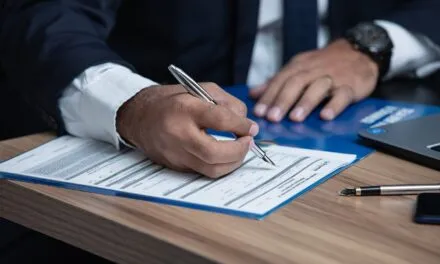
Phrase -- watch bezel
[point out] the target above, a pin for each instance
(358, 35)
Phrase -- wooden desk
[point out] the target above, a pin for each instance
(319, 227)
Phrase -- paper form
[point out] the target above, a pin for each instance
(252, 190)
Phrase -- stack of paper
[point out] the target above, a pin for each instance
(253, 190)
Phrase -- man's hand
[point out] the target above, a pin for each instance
(168, 125)
(338, 71)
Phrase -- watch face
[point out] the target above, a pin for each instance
(371, 36)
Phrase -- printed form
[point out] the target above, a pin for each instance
(255, 188)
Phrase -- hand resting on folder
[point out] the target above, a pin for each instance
(337, 71)
(168, 125)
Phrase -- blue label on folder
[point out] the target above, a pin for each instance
(376, 130)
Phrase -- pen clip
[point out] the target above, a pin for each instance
(191, 86)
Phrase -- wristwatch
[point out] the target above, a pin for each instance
(372, 40)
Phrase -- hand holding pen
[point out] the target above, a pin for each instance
(169, 126)
(197, 91)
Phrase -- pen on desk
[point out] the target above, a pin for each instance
(196, 90)
(404, 189)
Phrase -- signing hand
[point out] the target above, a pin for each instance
(168, 125)
(338, 71)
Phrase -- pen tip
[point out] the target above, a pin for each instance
(347, 192)
(266, 159)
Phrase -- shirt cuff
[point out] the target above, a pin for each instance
(89, 105)
(410, 53)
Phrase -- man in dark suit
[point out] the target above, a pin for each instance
(85, 65)
(92, 68)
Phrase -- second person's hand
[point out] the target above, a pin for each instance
(337, 71)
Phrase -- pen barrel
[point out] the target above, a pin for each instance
(408, 189)
(368, 191)
(257, 150)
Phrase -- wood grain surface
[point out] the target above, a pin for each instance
(319, 227)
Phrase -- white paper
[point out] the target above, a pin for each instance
(255, 188)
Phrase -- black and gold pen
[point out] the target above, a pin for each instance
(404, 189)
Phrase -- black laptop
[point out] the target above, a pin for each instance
(417, 140)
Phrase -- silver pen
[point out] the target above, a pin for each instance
(404, 189)
(196, 90)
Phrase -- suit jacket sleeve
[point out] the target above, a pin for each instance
(44, 45)
(419, 17)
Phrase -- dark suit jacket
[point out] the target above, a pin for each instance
(45, 44)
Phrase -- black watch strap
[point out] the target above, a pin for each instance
(373, 41)
(383, 62)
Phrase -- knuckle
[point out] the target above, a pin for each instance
(269, 96)
(236, 105)
(278, 79)
(180, 103)
(304, 76)
(344, 93)
(223, 119)
(242, 108)
(167, 123)
(205, 110)
(294, 81)
(326, 80)
(209, 154)
(169, 127)
(266, 98)
(348, 92)
(210, 86)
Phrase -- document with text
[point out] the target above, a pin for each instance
(253, 190)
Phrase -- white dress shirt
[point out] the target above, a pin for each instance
(90, 103)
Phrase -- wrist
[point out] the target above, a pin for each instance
(126, 117)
